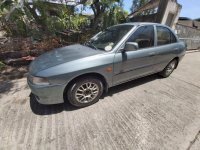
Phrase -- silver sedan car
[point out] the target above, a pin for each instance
(81, 73)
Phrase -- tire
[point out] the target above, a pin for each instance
(169, 69)
(85, 92)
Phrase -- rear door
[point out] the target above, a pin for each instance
(166, 47)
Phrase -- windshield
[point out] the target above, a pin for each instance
(107, 39)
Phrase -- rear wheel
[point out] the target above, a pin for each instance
(85, 92)
(169, 69)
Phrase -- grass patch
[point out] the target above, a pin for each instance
(2, 65)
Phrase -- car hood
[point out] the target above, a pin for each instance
(60, 56)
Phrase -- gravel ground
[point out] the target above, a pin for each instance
(145, 114)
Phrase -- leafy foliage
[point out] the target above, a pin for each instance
(2, 65)
(138, 3)
(107, 12)
(22, 18)
(37, 17)
(114, 16)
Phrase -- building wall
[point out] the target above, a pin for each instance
(179, 8)
(189, 35)
(172, 8)
(197, 24)
(188, 23)
(168, 12)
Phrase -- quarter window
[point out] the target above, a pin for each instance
(173, 38)
(165, 36)
(144, 36)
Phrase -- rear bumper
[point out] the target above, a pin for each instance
(52, 94)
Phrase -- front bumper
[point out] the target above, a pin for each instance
(51, 94)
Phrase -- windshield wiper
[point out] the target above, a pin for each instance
(90, 44)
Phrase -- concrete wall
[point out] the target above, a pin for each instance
(189, 35)
(172, 8)
(197, 24)
(188, 23)
(168, 12)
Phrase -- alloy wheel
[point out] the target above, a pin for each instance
(171, 67)
(87, 92)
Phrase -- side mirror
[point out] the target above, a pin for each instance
(131, 46)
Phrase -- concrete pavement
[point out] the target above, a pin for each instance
(146, 114)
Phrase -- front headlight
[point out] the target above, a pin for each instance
(39, 81)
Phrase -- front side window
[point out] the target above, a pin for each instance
(144, 37)
(109, 38)
(165, 36)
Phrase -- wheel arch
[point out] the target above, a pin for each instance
(95, 75)
(177, 59)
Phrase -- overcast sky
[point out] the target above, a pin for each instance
(191, 8)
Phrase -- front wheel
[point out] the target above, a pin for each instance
(169, 69)
(85, 92)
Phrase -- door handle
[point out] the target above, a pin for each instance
(152, 54)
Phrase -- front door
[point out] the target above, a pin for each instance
(133, 64)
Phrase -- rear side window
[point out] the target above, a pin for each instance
(144, 36)
(165, 36)
(173, 38)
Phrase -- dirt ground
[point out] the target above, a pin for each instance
(146, 114)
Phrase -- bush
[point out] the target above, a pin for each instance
(2, 65)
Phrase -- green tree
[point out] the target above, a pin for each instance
(113, 16)
(137, 4)
(12, 17)
(105, 9)
(25, 18)
(29, 18)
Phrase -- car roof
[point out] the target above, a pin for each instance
(143, 23)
